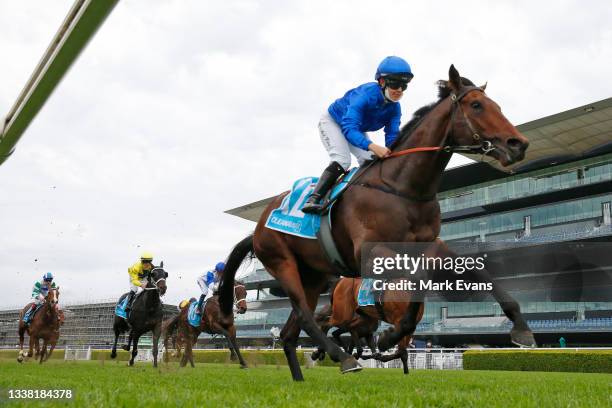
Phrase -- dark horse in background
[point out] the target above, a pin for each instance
(146, 314)
(44, 325)
(390, 200)
(212, 322)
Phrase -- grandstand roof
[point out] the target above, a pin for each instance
(576, 134)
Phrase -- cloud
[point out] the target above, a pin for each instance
(180, 110)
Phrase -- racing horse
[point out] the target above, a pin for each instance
(358, 326)
(146, 315)
(45, 325)
(392, 308)
(389, 200)
(211, 322)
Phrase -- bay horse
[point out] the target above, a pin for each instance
(358, 326)
(146, 315)
(212, 322)
(394, 306)
(389, 200)
(45, 325)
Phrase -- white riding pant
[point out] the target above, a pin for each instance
(336, 144)
(207, 291)
(137, 289)
(38, 300)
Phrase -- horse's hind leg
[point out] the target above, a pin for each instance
(22, 330)
(303, 302)
(230, 334)
(117, 334)
(126, 347)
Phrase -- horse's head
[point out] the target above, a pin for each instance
(157, 279)
(240, 295)
(53, 296)
(478, 120)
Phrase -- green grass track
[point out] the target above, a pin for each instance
(113, 384)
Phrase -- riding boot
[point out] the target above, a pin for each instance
(200, 302)
(327, 180)
(28, 314)
(131, 296)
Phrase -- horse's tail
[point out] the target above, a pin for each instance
(242, 250)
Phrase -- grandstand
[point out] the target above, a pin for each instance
(86, 325)
(560, 193)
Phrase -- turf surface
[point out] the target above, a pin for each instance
(110, 383)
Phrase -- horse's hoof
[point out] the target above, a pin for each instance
(349, 365)
(523, 338)
(113, 354)
(20, 359)
(244, 367)
(315, 356)
(126, 348)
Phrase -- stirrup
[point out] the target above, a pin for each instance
(313, 205)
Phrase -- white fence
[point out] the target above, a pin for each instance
(77, 353)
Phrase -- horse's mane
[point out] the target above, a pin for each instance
(443, 92)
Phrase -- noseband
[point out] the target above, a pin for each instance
(238, 300)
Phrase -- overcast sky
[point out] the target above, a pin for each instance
(179, 110)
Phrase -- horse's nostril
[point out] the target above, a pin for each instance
(516, 144)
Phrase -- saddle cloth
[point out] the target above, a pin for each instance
(194, 318)
(290, 219)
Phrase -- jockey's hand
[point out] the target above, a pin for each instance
(378, 150)
(143, 285)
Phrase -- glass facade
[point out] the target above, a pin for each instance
(551, 179)
(546, 215)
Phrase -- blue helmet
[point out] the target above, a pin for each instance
(219, 267)
(395, 66)
(48, 276)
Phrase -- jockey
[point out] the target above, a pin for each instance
(209, 282)
(369, 107)
(138, 276)
(39, 293)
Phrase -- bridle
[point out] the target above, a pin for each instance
(154, 283)
(483, 147)
(236, 301)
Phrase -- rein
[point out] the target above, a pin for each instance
(484, 147)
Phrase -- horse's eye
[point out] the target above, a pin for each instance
(476, 105)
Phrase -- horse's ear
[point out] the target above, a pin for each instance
(161, 264)
(454, 79)
(483, 87)
(166, 274)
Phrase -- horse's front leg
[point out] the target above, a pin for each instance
(407, 326)
(156, 334)
(521, 334)
(43, 352)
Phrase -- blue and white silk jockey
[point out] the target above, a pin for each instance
(209, 282)
(367, 108)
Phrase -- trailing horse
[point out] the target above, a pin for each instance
(391, 309)
(185, 334)
(390, 200)
(45, 325)
(146, 315)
